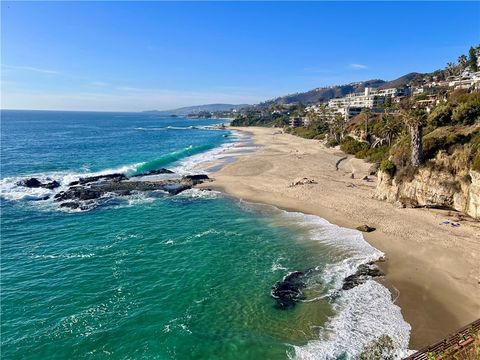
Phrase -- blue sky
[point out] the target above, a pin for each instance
(125, 56)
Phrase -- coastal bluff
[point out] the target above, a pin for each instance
(433, 187)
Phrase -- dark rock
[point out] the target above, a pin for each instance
(174, 189)
(197, 179)
(289, 291)
(92, 179)
(155, 172)
(70, 205)
(363, 273)
(51, 185)
(94, 187)
(365, 228)
(78, 193)
(30, 183)
(35, 183)
(173, 186)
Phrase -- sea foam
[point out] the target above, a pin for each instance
(362, 314)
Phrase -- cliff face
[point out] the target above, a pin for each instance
(434, 187)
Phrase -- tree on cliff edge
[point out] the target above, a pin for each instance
(414, 118)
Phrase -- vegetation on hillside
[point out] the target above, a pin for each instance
(405, 136)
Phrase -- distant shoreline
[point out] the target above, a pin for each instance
(431, 270)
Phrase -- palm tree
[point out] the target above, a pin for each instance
(414, 118)
(391, 128)
(312, 116)
(450, 69)
(462, 61)
(337, 127)
(367, 114)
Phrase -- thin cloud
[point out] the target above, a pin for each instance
(31, 68)
(358, 66)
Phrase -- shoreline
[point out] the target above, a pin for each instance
(431, 270)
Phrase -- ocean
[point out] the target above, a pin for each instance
(154, 276)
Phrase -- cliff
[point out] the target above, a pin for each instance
(434, 186)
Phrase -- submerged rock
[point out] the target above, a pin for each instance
(363, 273)
(288, 291)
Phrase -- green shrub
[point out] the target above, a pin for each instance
(362, 154)
(440, 116)
(468, 112)
(476, 162)
(351, 146)
(435, 142)
(377, 155)
(374, 155)
(431, 145)
(400, 153)
(388, 167)
(331, 142)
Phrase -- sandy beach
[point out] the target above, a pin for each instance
(432, 270)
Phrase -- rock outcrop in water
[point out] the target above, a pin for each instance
(289, 291)
(82, 194)
(97, 178)
(35, 183)
(363, 273)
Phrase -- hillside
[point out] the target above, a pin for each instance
(198, 108)
(326, 93)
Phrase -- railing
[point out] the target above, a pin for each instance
(463, 344)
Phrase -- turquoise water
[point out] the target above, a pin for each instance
(152, 276)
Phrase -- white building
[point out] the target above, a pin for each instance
(352, 104)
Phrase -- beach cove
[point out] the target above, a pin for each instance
(431, 270)
(159, 274)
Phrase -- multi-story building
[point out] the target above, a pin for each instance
(352, 104)
(298, 121)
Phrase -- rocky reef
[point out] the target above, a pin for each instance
(289, 290)
(83, 193)
(363, 273)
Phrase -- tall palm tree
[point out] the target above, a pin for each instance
(414, 118)
(462, 61)
(450, 69)
(367, 114)
(337, 127)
